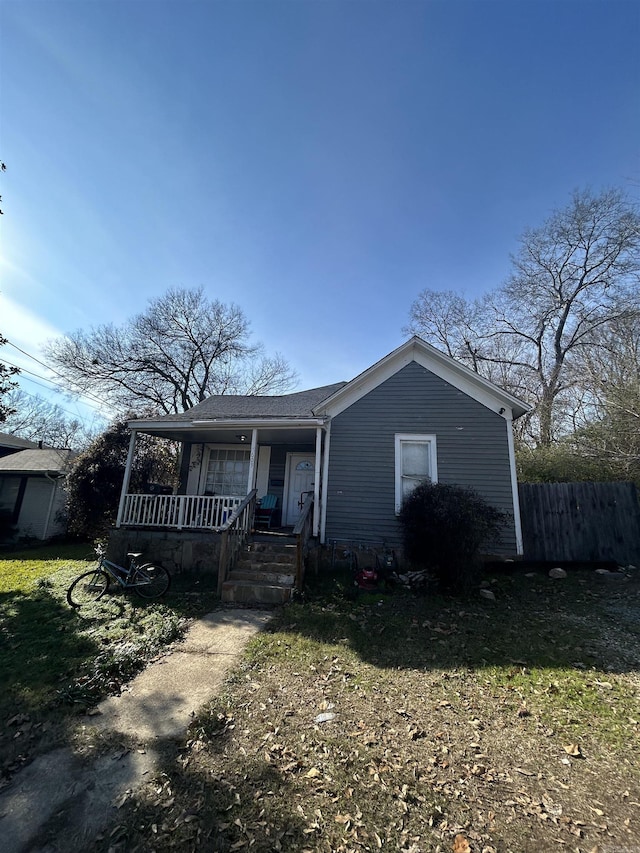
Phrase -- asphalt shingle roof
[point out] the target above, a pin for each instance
(37, 461)
(230, 406)
(7, 439)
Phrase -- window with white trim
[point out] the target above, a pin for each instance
(227, 472)
(416, 461)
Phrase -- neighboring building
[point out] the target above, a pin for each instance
(32, 492)
(356, 448)
(13, 443)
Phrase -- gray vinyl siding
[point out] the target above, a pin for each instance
(472, 450)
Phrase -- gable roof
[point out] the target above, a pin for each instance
(431, 359)
(35, 461)
(317, 404)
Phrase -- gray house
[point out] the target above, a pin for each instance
(338, 459)
(32, 496)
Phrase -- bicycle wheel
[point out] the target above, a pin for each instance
(150, 580)
(87, 588)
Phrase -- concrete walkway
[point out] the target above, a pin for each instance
(61, 801)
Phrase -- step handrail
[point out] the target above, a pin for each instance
(302, 531)
(234, 535)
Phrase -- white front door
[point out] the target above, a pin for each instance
(300, 479)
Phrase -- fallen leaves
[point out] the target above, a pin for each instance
(313, 773)
(461, 844)
(454, 759)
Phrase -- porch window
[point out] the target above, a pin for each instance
(416, 461)
(227, 472)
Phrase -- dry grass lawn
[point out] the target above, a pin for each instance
(416, 725)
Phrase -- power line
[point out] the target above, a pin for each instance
(76, 415)
(57, 389)
(89, 395)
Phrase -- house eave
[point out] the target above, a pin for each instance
(225, 423)
(32, 472)
(231, 431)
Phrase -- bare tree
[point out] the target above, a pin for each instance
(609, 425)
(450, 322)
(6, 385)
(573, 277)
(182, 349)
(39, 420)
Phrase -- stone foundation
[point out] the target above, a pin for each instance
(178, 551)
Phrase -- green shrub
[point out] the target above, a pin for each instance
(95, 480)
(560, 463)
(444, 529)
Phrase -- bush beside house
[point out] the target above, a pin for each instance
(445, 528)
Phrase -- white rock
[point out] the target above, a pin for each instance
(325, 718)
(557, 573)
(486, 593)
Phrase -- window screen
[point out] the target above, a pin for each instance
(416, 461)
(416, 464)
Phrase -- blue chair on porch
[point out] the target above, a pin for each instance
(265, 510)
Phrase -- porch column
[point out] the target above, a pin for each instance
(252, 460)
(127, 477)
(316, 482)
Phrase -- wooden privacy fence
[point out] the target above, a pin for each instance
(583, 522)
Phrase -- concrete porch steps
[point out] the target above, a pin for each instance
(265, 574)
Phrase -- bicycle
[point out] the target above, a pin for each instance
(148, 580)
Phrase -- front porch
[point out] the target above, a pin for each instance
(246, 565)
(229, 460)
(220, 466)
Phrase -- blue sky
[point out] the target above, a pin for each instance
(317, 163)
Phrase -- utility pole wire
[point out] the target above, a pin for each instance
(86, 394)
(76, 415)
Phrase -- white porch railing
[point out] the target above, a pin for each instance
(178, 511)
